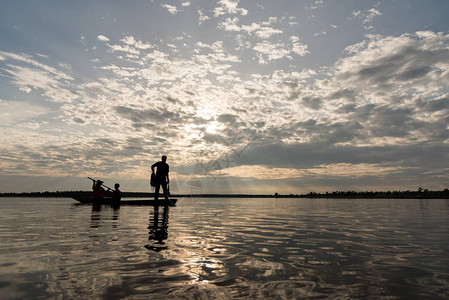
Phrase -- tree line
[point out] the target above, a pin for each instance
(418, 194)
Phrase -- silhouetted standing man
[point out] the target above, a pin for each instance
(161, 177)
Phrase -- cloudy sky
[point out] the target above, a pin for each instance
(242, 96)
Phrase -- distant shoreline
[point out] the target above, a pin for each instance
(419, 194)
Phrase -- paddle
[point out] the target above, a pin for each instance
(101, 184)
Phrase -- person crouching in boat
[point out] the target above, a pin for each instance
(116, 194)
(99, 191)
(161, 177)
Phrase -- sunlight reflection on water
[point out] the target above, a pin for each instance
(225, 248)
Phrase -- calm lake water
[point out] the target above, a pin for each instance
(225, 249)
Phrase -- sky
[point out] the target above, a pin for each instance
(251, 97)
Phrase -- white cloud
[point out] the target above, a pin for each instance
(262, 172)
(370, 14)
(171, 8)
(317, 4)
(266, 32)
(202, 17)
(408, 62)
(28, 60)
(131, 41)
(251, 28)
(271, 20)
(385, 92)
(268, 51)
(262, 32)
(230, 24)
(242, 42)
(367, 16)
(359, 113)
(229, 7)
(31, 75)
(320, 33)
(298, 47)
(102, 38)
(12, 112)
(124, 48)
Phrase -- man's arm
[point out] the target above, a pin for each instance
(168, 179)
(152, 167)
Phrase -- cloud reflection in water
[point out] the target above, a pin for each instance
(227, 248)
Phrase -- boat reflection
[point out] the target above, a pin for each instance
(158, 229)
(96, 217)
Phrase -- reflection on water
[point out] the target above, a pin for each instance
(226, 248)
(96, 216)
(158, 229)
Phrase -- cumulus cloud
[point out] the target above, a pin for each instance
(148, 117)
(298, 47)
(384, 98)
(416, 62)
(384, 107)
(266, 32)
(231, 24)
(260, 30)
(312, 102)
(320, 33)
(130, 40)
(262, 172)
(229, 7)
(171, 8)
(367, 15)
(202, 17)
(268, 51)
(102, 38)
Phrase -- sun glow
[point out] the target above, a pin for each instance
(191, 132)
(212, 127)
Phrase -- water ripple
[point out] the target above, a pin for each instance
(226, 249)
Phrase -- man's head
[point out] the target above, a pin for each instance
(164, 158)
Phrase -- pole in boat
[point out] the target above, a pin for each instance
(101, 184)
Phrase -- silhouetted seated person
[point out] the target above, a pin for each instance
(99, 191)
(116, 194)
(162, 179)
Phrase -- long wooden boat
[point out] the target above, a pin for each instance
(108, 201)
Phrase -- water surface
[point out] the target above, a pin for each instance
(225, 249)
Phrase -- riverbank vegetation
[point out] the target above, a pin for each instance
(418, 194)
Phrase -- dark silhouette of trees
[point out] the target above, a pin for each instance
(418, 194)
